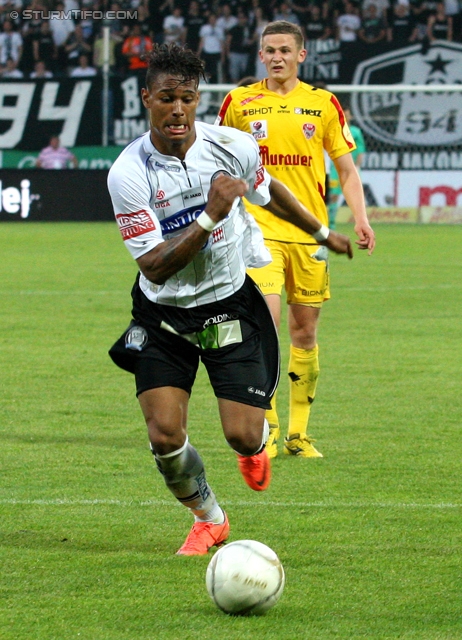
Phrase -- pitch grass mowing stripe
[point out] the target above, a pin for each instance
(238, 503)
(97, 292)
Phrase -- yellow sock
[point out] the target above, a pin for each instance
(303, 378)
(271, 414)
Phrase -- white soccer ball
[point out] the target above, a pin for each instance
(245, 577)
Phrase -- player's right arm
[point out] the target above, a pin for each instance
(285, 205)
(159, 259)
(172, 255)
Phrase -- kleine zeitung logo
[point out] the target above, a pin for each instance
(14, 200)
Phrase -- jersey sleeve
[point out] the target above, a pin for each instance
(138, 224)
(256, 175)
(227, 114)
(337, 138)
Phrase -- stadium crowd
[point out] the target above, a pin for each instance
(38, 42)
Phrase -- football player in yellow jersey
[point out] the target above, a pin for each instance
(293, 122)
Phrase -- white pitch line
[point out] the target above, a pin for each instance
(239, 503)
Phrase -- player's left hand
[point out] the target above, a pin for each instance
(366, 237)
(338, 243)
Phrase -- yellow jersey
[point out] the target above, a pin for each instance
(292, 132)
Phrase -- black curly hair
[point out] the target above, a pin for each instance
(175, 60)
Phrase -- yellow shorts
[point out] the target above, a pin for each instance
(303, 270)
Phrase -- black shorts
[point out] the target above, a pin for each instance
(235, 338)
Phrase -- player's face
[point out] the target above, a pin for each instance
(281, 56)
(172, 105)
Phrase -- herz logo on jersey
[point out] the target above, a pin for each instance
(431, 119)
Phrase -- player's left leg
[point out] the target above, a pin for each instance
(246, 431)
(307, 286)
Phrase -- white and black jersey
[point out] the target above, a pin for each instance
(156, 197)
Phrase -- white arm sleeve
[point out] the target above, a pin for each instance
(138, 224)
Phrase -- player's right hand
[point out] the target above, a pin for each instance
(223, 192)
(338, 243)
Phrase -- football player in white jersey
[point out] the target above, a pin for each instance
(176, 193)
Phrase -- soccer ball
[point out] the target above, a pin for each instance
(245, 577)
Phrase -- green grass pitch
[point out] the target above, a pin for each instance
(370, 536)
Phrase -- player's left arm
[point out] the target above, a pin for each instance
(352, 189)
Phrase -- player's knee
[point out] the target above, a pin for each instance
(165, 438)
(249, 441)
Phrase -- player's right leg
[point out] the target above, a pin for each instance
(165, 410)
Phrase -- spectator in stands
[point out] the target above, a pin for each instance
(29, 31)
(402, 29)
(134, 48)
(238, 47)
(10, 70)
(173, 26)
(156, 20)
(61, 29)
(284, 12)
(55, 156)
(84, 70)
(372, 26)
(453, 9)
(98, 50)
(194, 20)
(40, 71)
(348, 24)
(10, 45)
(45, 47)
(75, 46)
(302, 8)
(260, 21)
(226, 20)
(315, 26)
(212, 48)
(382, 6)
(420, 13)
(439, 25)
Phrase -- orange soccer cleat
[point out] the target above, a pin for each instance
(203, 536)
(256, 470)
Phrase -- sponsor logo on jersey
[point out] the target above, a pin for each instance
(247, 100)
(309, 130)
(168, 167)
(180, 220)
(134, 224)
(260, 177)
(289, 159)
(160, 195)
(260, 111)
(259, 129)
(162, 205)
(218, 234)
(300, 111)
(193, 195)
(419, 119)
(283, 109)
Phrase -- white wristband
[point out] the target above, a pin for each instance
(206, 222)
(321, 234)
